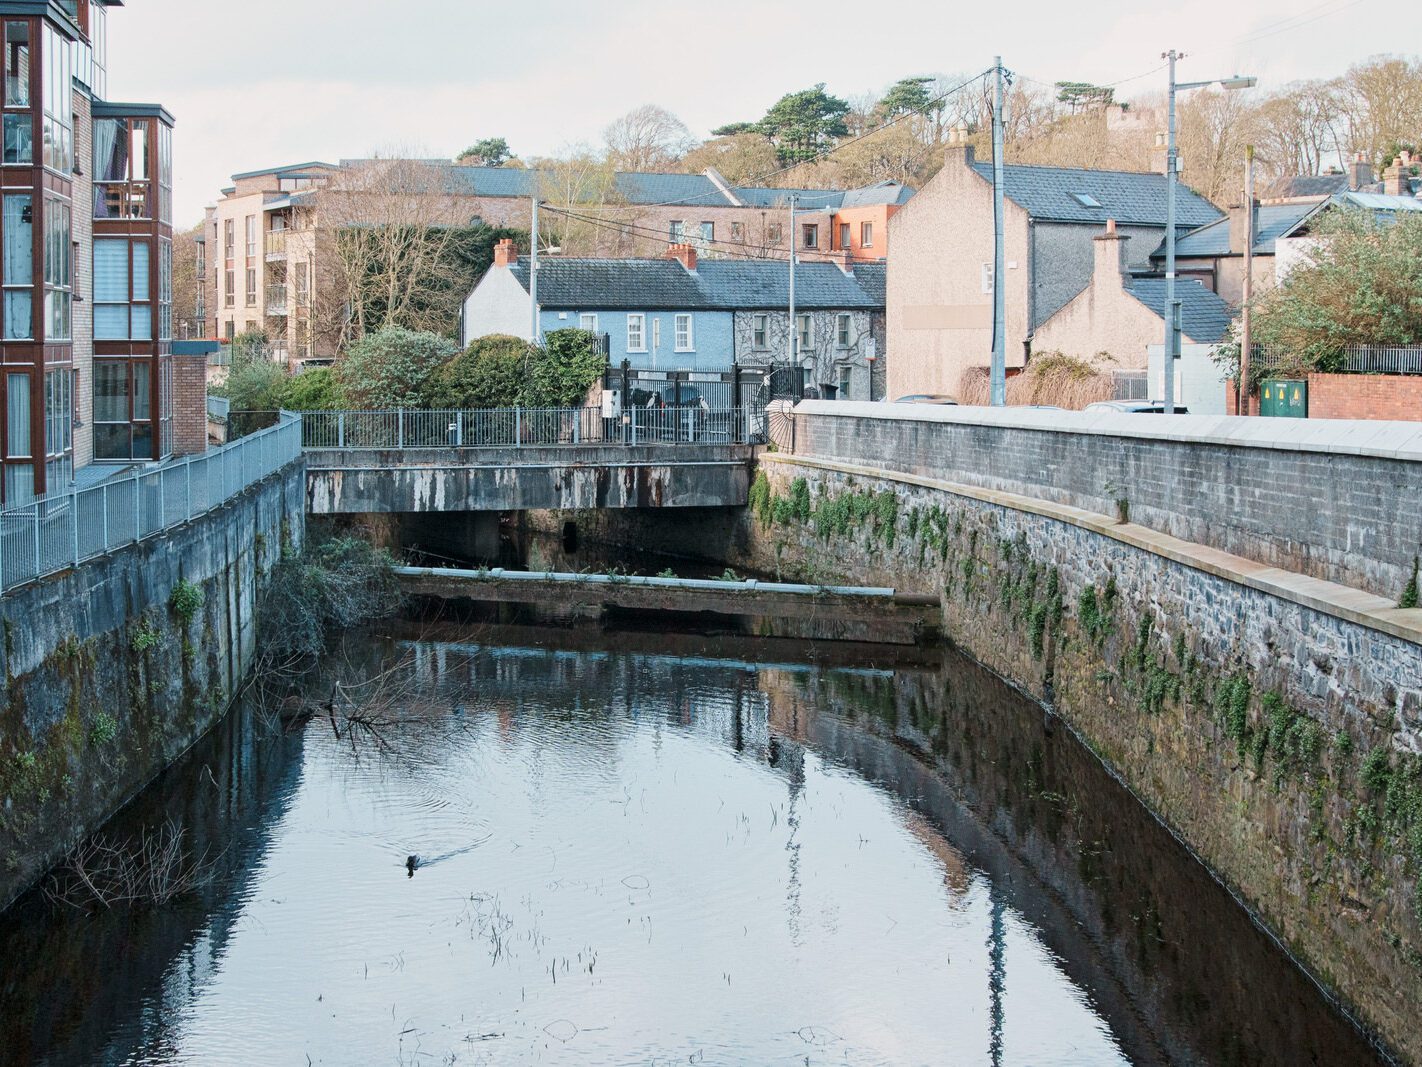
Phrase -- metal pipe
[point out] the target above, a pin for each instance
(999, 254)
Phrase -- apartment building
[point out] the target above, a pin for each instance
(86, 227)
(261, 240)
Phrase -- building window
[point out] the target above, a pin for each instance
(58, 102)
(588, 321)
(866, 235)
(123, 409)
(165, 290)
(845, 378)
(121, 172)
(684, 340)
(251, 236)
(229, 260)
(760, 331)
(737, 231)
(19, 139)
(17, 64)
(58, 269)
(844, 240)
(165, 174)
(18, 268)
(841, 338)
(773, 233)
(303, 284)
(708, 231)
(677, 231)
(17, 416)
(636, 333)
(58, 419)
(987, 277)
(810, 232)
(805, 331)
(122, 308)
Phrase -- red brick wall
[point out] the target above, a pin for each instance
(1365, 396)
(189, 405)
(1390, 397)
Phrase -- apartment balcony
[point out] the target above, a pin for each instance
(276, 302)
(275, 244)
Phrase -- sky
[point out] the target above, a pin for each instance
(269, 82)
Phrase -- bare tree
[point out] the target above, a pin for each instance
(384, 228)
(647, 138)
(1380, 102)
(742, 158)
(1296, 130)
(588, 216)
(1214, 128)
(186, 281)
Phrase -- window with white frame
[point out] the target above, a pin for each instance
(842, 330)
(866, 235)
(636, 333)
(760, 332)
(684, 340)
(677, 231)
(805, 329)
(987, 277)
(844, 242)
(588, 321)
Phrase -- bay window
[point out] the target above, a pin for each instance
(58, 269)
(17, 270)
(58, 101)
(17, 64)
(121, 171)
(122, 308)
(123, 409)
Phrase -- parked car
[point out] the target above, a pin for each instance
(925, 398)
(1135, 407)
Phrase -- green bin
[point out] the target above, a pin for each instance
(1285, 398)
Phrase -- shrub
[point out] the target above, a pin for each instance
(186, 600)
(255, 381)
(391, 368)
(312, 390)
(493, 372)
(332, 585)
(568, 366)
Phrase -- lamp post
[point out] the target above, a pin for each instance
(1172, 305)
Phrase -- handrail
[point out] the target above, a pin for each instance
(62, 530)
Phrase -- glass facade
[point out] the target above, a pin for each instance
(58, 269)
(122, 307)
(122, 185)
(17, 232)
(58, 101)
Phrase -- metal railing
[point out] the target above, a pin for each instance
(62, 530)
(275, 243)
(532, 427)
(1359, 359)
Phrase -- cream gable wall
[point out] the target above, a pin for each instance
(498, 304)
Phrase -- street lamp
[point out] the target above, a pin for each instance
(1172, 306)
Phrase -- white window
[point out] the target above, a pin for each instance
(806, 331)
(760, 330)
(842, 330)
(588, 321)
(866, 235)
(636, 333)
(684, 340)
(987, 277)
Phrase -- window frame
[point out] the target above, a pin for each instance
(804, 337)
(641, 319)
(986, 279)
(760, 332)
(584, 317)
(846, 236)
(866, 235)
(809, 235)
(843, 329)
(678, 320)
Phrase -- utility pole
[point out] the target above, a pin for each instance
(533, 272)
(794, 333)
(1246, 335)
(999, 254)
(1172, 310)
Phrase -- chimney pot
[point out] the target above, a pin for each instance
(685, 254)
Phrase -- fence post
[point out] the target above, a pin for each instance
(74, 518)
(518, 426)
(340, 429)
(578, 425)
(162, 509)
(400, 428)
(105, 502)
(137, 509)
(39, 567)
(188, 492)
(459, 429)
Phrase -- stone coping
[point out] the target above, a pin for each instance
(1361, 437)
(1340, 601)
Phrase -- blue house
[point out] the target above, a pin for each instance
(681, 313)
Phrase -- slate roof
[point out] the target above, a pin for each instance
(1272, 222)
(717, 285)
(1306, 185)
(1128, 197)
(1204, 316)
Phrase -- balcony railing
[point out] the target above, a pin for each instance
(276, 300)
(276, 244)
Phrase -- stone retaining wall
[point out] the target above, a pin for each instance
(115, 668)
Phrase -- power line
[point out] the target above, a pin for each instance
(624, 228)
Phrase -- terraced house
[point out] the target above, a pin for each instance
(86, 224)
(268, 253)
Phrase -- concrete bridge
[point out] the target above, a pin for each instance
(519, 460)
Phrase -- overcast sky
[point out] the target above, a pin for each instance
(266, 82)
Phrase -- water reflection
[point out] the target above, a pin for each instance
(636, 857)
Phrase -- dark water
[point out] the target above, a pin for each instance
(707, 853)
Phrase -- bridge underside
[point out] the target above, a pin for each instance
(364, 481)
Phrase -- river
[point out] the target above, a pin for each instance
(549, 846)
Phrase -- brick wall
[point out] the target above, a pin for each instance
(1365, 396)
(189, 405)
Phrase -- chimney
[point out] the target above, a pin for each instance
(1394, 178)
(1360, 174)
(685, 254)
(1110, 256)
(1239, 227)
(505, 255)
(960, 153)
